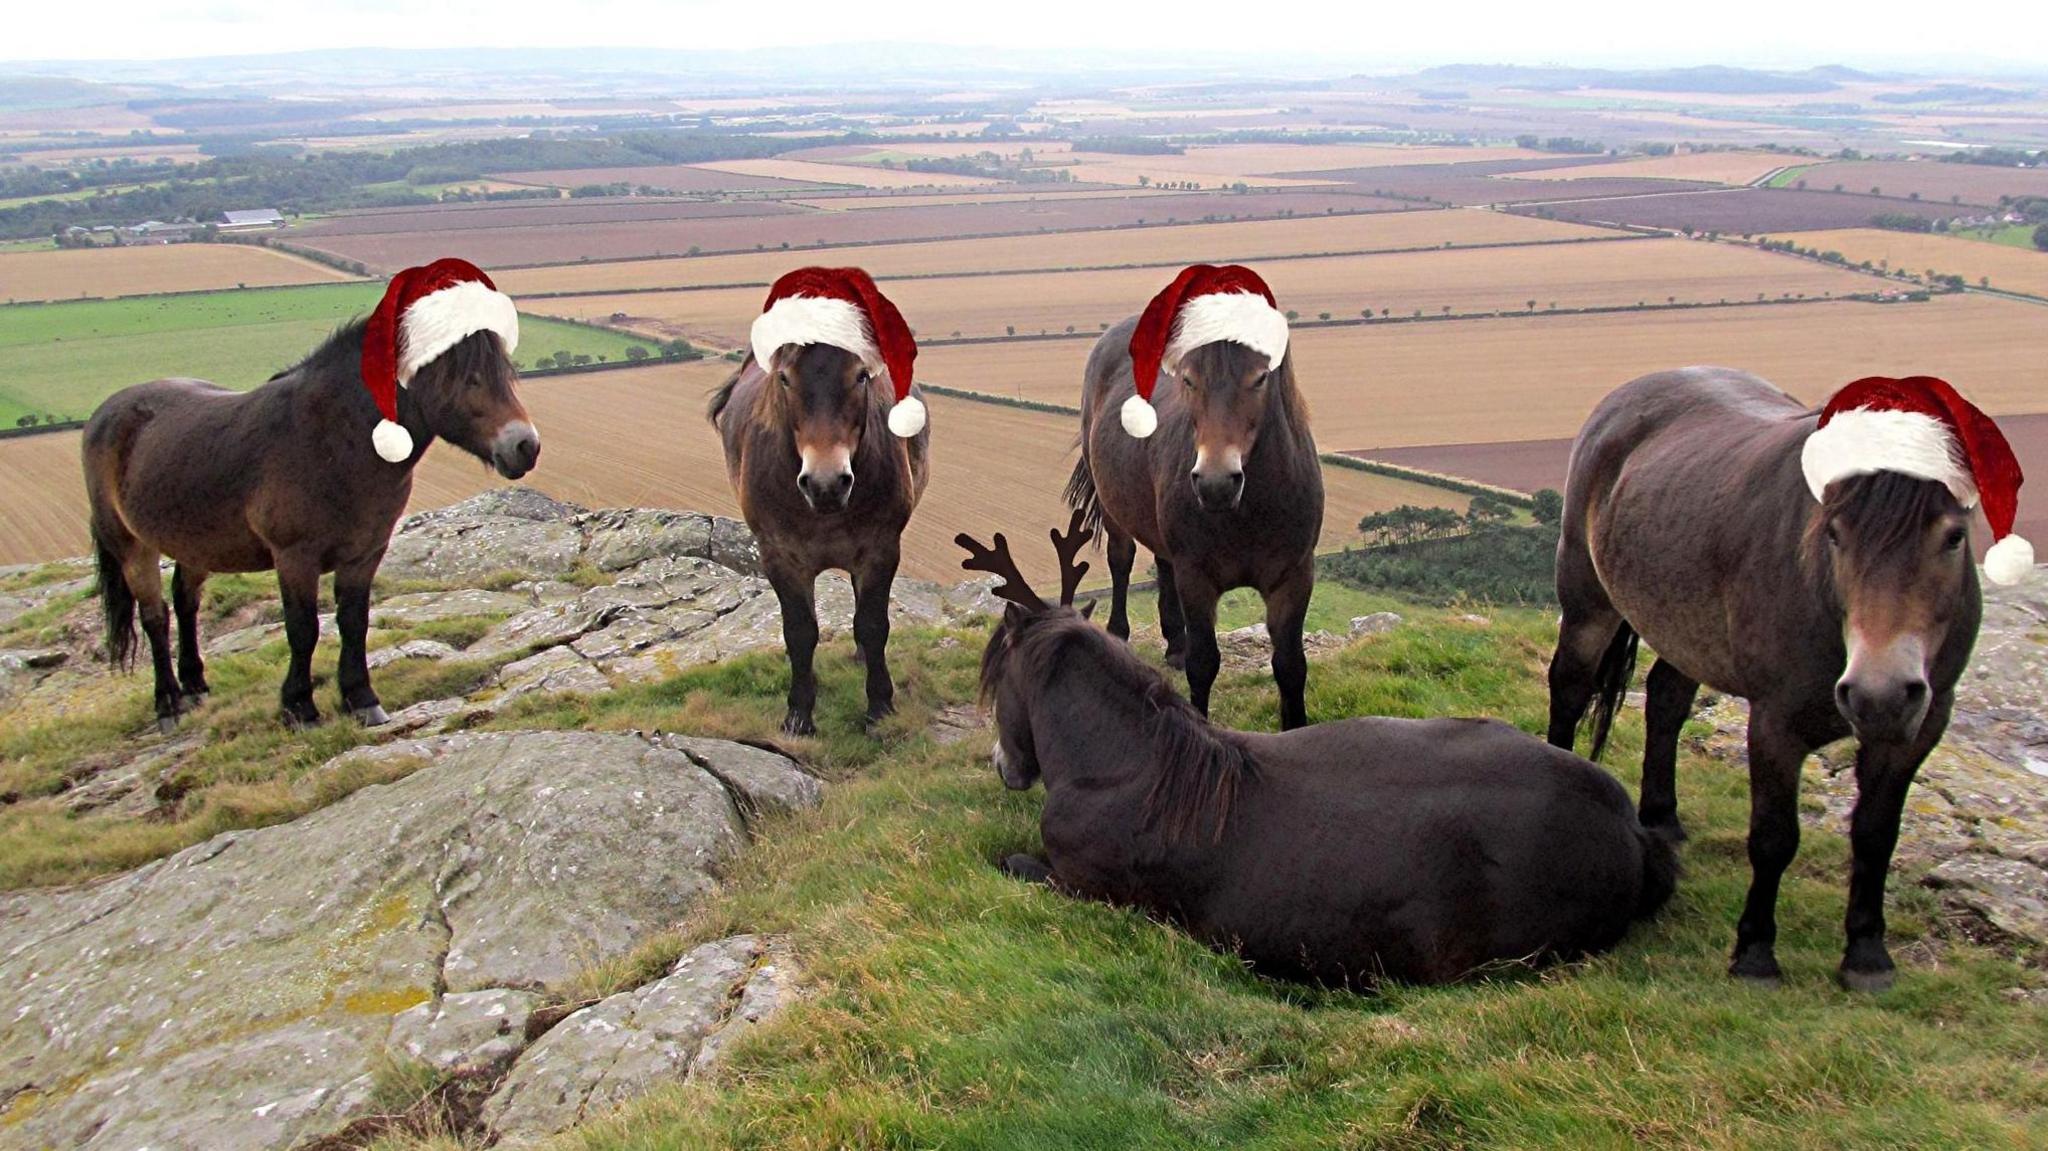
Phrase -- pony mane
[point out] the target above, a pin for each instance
(1884, 511)
(1199, 770)
(341, 351)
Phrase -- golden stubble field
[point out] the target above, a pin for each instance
(1712, 167)
(1605, 274)
(1487, 381)
(2012, 269)
(639, 438)
(1181, 243)
(140, 270)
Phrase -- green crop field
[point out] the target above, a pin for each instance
(63, 359)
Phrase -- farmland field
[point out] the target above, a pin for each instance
(639, 438)
(1487, 381)
(998, 194)
(669, 177)
(1470, 280)
(1499, 181)
(858, 175)
(2008, 268)
(140, 270)
(64, 358)
(495, 247)
(1245, 240)
(1709, 167)
(1933, 181)
(532, 213)
(1741, 211)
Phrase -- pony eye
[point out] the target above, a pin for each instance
(782, 378)
(1834, 537)
(863, 378)
(1955, 539)
(1259, 381)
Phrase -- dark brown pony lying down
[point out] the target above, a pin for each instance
(1345, 853)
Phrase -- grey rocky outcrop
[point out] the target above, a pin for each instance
(242, 992)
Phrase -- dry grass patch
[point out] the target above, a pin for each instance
(1712, 167)
(144, 270)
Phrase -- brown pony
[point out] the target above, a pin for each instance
(1227, 493)
(1687, 521)
(284, 478)
(1343, 853)
(823, 484)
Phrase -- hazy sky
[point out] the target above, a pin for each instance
(1399, 32)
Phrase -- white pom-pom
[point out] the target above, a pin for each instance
(392, 441)
(906, 419)
(1140, 418)
(2009, 561)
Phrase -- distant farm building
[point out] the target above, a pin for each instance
(251, 220)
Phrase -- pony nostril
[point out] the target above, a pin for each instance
(1915, 692)
(845, 482)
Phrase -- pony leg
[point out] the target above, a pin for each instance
(1668, 697)
(352, 619)
(186, 586)
(1884, 772)
(1775, 754)
(871, 630)
(1029, 868)
(1123, 552)
(1286, 614)
(800, 640)
(1173, 623)
(143, 578)
(298, 583)
(1582, 639)
(1204, 660)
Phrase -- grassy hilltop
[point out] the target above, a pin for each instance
(953, 1007)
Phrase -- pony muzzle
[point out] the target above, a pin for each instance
(1219, 482)
(826, 479)
(1883, 692)
(515, 449)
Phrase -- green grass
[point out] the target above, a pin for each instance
(2010, 235)
(952, 1007)
(1790, 176)
(64, 358)
(78, 194)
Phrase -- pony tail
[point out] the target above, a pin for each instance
(1610, 683)
(1081, 495)
(117, 604)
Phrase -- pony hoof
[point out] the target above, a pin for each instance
(1866, 982)
(371, 716)
(298, 722)
(1757, 970)
(1177, 660)
(1029, 868)
(166, 724)
(798, 724)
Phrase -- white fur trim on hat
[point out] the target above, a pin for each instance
(1240, 317)
(1862, 441)
(906, 417)
(2009, 561)
(440, 320)
(1140, 418)
(392, 441)
(812, 320)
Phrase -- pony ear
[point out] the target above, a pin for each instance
(1013, 614)
(1088, 608)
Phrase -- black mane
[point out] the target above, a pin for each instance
(1199, 769)
(1885, 512)
(341, 351)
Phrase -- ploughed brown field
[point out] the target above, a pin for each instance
(1245, 240)
(997, 194)
(639, 438)
(496, 247)
(1620, 273)
(1934, 181)
(858, 175)
(532, 213)
(67, 274)
(669, 177)
(1741, 211)
(1707, 167)
(1498, 181)
(1494, 380)
(2008, 268)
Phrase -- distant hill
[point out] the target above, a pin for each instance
(1713, 79)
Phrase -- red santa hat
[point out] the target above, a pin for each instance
(1922, 427)
(1204, 304)
(426, 311)
(842, 308)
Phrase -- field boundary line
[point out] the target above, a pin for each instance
(1411, 250)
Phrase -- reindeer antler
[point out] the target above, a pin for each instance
(1068, 546)
(997, 561)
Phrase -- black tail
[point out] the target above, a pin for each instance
(1082, 497)
(1610, 682)
(117, 603)
(1660, 872)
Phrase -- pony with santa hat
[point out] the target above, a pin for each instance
(304, 475)
(1816, 563)
(826, 446)
(1208, 462)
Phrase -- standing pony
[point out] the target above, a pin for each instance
(306, 474)
(826, 446)
(1228, 493)
(1816, 564)
(1344, 853)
